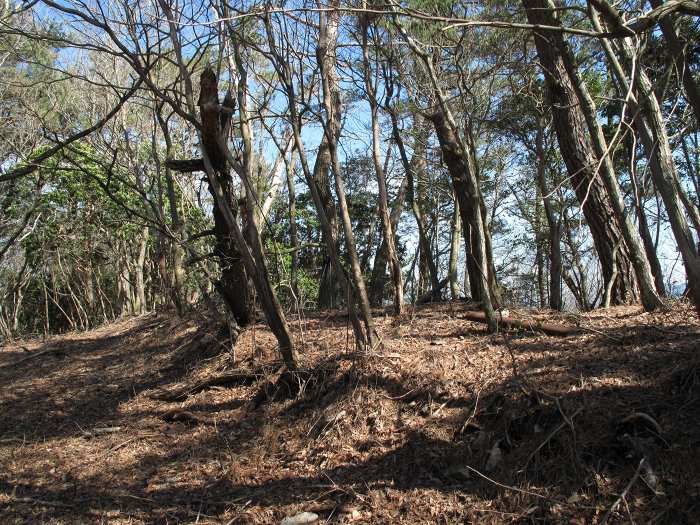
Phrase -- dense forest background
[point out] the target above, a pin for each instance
(292, 156)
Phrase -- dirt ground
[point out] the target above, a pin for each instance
(443, 424)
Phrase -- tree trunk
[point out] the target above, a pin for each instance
(378, 277)
(415, 169)
(456, 235)
(576, 149)
(655, 140)
(217, 160)
(553, 223)
(643, 223)
(383, 197)
(461, 166)
(327, 60)
(140, 285)
(280, 63)
(176, 282)
(328, 286)
(293, 233)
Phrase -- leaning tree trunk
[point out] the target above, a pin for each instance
(630, 234)
(216, 162)
(461, 166)
(461, 163)
(327, 61)
(579, 157)
(656, 144)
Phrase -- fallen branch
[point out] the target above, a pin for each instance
(509, 487)
(41, 502)
(235, 379)
(33, 355)
(535, 326)
(101, 431)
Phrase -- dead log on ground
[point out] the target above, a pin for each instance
(525, 324)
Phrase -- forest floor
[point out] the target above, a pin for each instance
(443, 424)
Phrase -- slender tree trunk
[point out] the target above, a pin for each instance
(293, 233)
(177, 254)
(281, 65)
(415, 169)
(383, 197)
(456, 235)
(540, 271)
(553, 222)
(643, 223)
(328, 286)
(369, 248)
(140, 285)
(378, 277)
(327, 60)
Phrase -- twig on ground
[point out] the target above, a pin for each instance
(41, 502)
(100, 431)
(401, 396)
(567, 421)
(469, 419)
(508, 487)
(619, 499)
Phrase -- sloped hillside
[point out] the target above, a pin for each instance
(157, 420)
